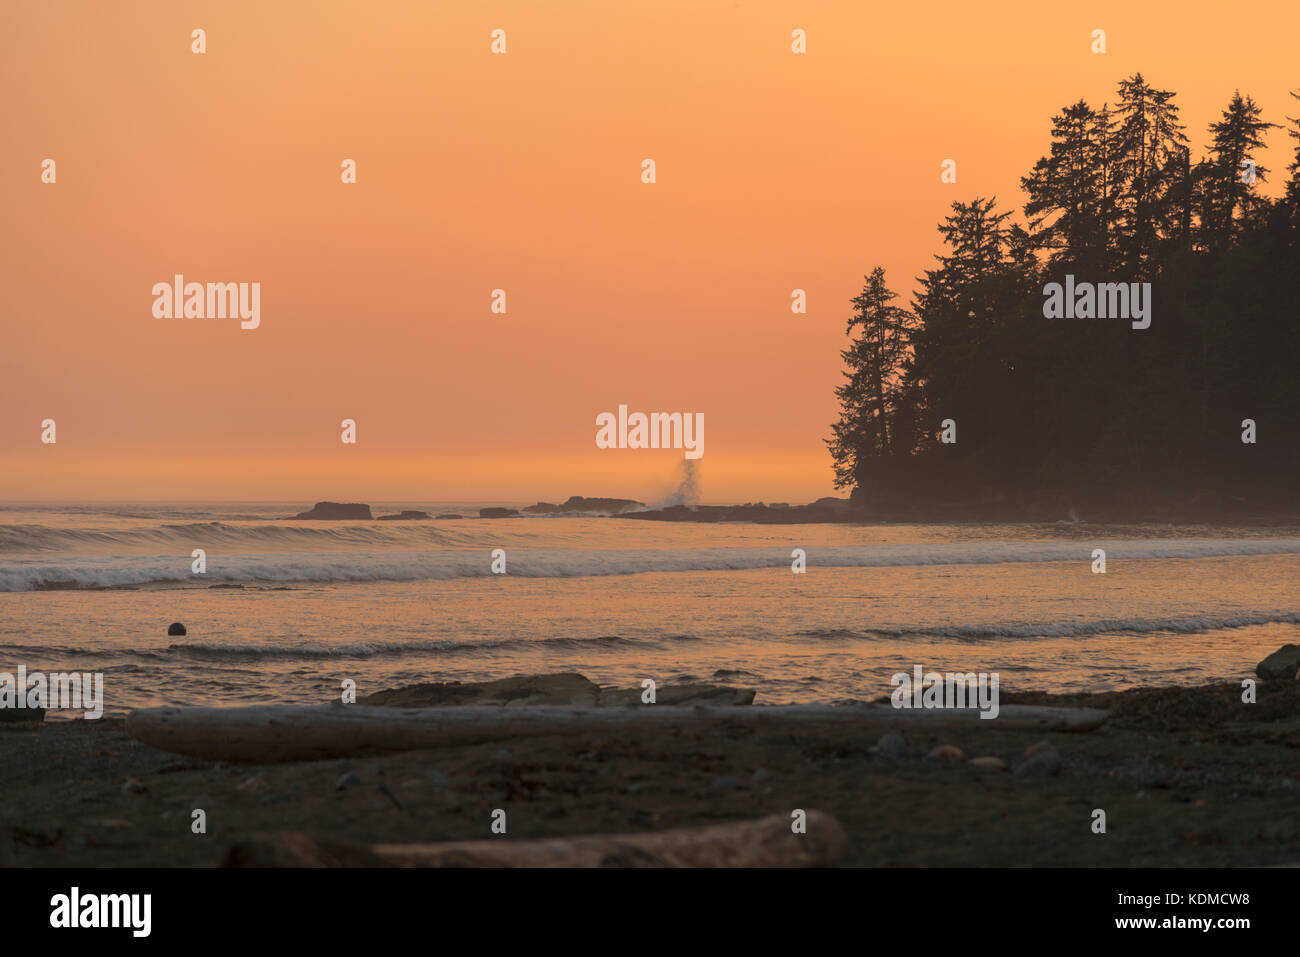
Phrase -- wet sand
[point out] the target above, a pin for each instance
(1187, 777)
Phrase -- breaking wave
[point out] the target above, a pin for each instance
(443, 564)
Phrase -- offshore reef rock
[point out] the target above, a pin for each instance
(579, 503)
(406, 515)
(336, 512)
(498, 513)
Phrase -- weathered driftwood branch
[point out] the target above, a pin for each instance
(766, 842)
(273, 733)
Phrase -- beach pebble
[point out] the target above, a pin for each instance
(255, 783)
(503, 754)
(132, 786)
(891, 746)
(988, 763)
(762, 775)
(200, 802)
(439, 779)
(176, 629)
(946, 752)
(1045, 763)
(727, 784)
(347, 779)
(1037, 747)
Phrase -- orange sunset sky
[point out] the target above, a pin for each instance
(478, 171)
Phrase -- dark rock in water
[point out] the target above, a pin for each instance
(446, 515)
(175, 628)
(1280, 665)
(566, 688)
(406, 515)
(498, 513)
(336, 512)
(578, 503)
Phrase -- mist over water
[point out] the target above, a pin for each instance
(303, 605)
(688, 486)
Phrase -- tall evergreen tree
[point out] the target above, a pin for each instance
(1068, 188)
(1148, 141)
(1231, 188)
(875, 421)
(1293, 184)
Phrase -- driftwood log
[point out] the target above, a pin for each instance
(272, 733)
(766, 842)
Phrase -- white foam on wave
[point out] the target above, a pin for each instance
(443, 564)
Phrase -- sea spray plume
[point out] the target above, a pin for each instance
(688, 486)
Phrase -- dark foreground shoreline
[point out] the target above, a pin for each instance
(1186, 776)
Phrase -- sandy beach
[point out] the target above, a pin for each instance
(1186, 776)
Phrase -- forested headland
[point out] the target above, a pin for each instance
(971, 399)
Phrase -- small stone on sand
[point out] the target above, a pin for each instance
(891, 746)
(1045, 763)
(946, 752)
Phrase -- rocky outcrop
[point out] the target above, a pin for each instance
(757, 512)
(564, 688)
(1281, 665)
(406, 515)
(578, 503)
(335, 512)
(498, 512)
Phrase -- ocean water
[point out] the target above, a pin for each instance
(287, 610)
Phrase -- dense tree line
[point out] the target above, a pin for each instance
(1092, 414)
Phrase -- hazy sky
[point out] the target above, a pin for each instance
(522, 172)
